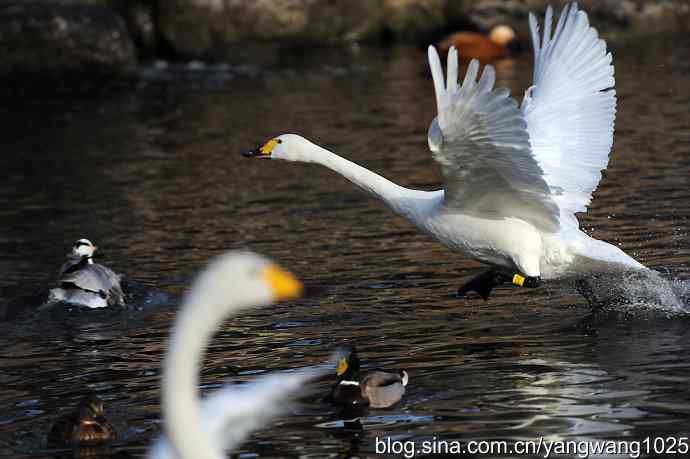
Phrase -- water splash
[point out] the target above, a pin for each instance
(637, 291)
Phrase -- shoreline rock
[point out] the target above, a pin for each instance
(57, 38)
(211, 28)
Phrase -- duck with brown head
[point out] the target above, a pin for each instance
(87, 425)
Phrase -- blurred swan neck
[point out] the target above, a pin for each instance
(181, 401)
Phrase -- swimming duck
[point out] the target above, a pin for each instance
(85, 283)
(376, 389)
(473, 45)
(514, 176)
(86, 425)
(197, 428)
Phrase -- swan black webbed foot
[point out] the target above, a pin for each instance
(485, 282)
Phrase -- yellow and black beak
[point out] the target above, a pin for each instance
(263, 151)
(284, 285)
(342, 367)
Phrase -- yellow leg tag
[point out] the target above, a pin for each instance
(518, 280)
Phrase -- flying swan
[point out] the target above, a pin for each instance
(203, 429)
(514, 176)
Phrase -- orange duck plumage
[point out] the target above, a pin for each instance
(473, 45)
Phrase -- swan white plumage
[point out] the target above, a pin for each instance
(514, 176)
(197, 429)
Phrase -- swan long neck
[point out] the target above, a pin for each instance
(181, 400)
(394, 195)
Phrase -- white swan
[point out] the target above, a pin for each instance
(197, 429)
(514, 177)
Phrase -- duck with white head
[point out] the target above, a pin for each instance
(82, 282)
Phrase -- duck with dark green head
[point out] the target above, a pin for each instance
(376, 389)
(86, 425)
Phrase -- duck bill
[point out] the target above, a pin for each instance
(342, 367)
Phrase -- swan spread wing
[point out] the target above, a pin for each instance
(480, 139)
(231, 413)
(570, 110)
(234, 412)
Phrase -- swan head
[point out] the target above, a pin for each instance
(83, 248)
(248, 279)
(288, 147)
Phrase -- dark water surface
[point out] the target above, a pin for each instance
(154, 177)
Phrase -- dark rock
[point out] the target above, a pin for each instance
(414, 20)
(103, 37)
(203, 28)
(141, 19)
(57, 39)
(228, 28)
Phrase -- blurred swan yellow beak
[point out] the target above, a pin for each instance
(283, 283)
